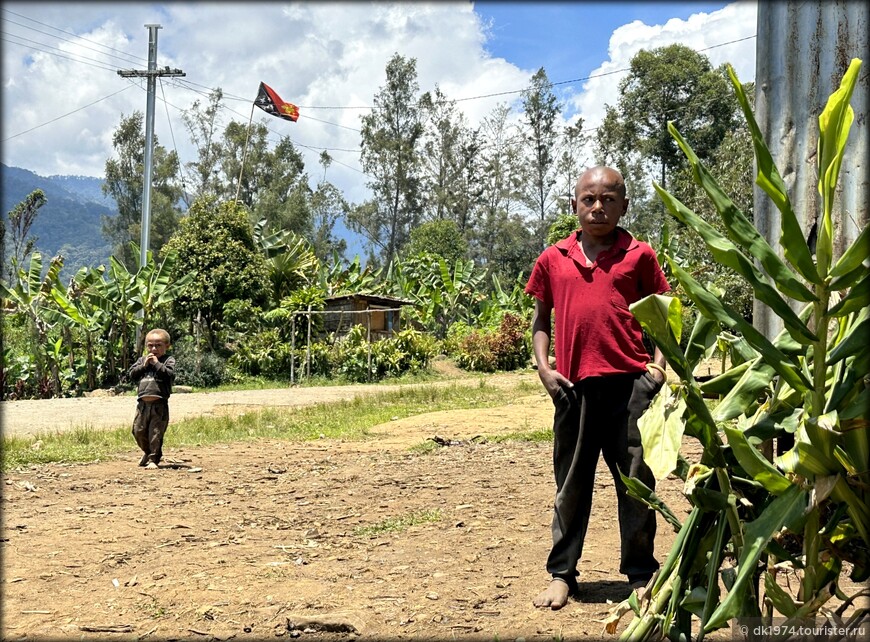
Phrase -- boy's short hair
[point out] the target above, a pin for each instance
(164, 335)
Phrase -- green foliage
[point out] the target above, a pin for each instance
(197, 367)
(807, 508)
(216, 244)
(441, 238)
(124, 181)
(562, 227)
(505, 347)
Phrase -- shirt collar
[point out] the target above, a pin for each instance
(624, 241)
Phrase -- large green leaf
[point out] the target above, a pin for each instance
(714, 308)
(740, 229)
(854, 258)
(858, 298)
(792, 242)
(834, 124)
(855, 341)
(785, 508)
(723, 383)
(661, 317)
(728, 254)
(756, 464)
(661, 431)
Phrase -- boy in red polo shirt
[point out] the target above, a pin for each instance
(603, 380)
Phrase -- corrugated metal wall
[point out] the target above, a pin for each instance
(802, 51)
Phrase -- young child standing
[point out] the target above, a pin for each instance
(603, 380)
(154, 372)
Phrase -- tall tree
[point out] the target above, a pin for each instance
(570, 163)
(21, 219)
(124, 181)
(328, 206)
(541, 109)
(390, 141)
(449, 156)
(202, 124)
(216, 242)
(672, 83)
(501, 240)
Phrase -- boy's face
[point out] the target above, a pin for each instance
(156, 345)
(599, 202)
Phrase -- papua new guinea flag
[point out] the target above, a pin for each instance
(271, 103)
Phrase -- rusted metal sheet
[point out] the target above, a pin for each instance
(802, 51)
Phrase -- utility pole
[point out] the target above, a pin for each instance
(151, 74)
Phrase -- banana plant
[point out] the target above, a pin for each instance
(808, 388)
(76, 309)
(30, 295)
(153, 288)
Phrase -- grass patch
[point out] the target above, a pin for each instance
(350, 419)
(398, 524)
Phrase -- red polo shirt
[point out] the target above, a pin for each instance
(596, 334)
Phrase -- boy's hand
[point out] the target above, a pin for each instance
(150, 359)
(553, 380)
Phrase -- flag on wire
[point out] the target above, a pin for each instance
(271, 103)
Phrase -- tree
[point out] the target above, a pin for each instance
(124, 181)
(202, 124)
(541, 109)
(327, 206)
(672, 83)
(501, 240)
(438, 238)
(21, 219)
(390, 139)
(450, 150)
(215, 241)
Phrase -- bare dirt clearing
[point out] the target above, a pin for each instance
(318, 540)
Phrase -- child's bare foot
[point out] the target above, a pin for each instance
(152, 466)
(555, 596)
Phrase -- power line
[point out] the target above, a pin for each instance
(66, 114)
(128, 55)
(94, 63)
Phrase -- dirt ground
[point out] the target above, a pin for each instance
(268, 540)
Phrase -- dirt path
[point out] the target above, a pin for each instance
(32, 416)
(327, 540)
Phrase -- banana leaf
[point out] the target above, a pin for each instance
(714, 308)
(756, 464)
(740, 230)
(857, 298)
(661, 429)
(834, 124)
(791, 240)
(757, 534)
(781, 600)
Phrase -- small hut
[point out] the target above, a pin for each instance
(380, 315)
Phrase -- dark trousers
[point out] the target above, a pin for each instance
(599, 415)
(149, 426)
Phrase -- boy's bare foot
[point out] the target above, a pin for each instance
(555, 596)
(151, 466)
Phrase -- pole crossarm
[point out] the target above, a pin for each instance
(147, 73)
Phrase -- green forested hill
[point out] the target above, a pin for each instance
(70, 221)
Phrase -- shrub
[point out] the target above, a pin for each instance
(198, 368)
(504, 348)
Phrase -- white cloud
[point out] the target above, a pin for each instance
(734, 22)
(312, 54)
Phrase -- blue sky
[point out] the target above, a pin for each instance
(62, 96)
